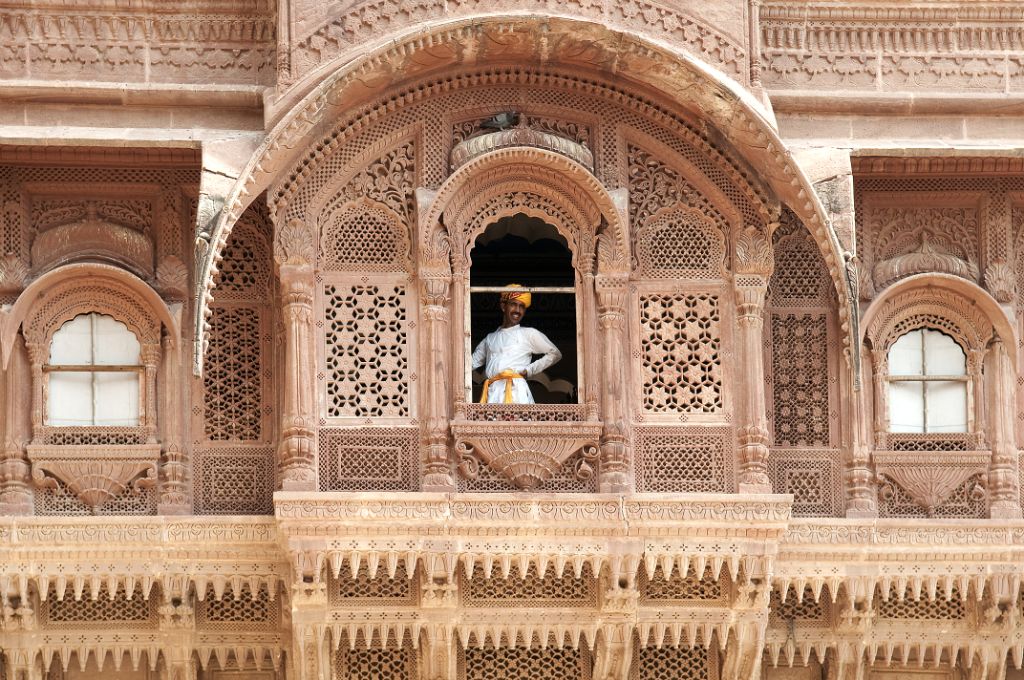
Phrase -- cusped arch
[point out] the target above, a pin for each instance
(683, 81)
(536, 182)
(63, 293)
(946, 302)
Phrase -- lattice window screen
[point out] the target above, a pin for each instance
(684, 459)
(367, 343)
(674, 663)
(800, 367)
(376, 663)
(369, 459)
(814, 477)
(680, 352)
(233, 457)
(536, 663)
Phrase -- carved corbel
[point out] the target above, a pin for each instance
(613, 656)
(439, 659)
(14, 273)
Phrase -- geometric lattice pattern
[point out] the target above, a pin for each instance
(921, 609)
(380, 591)
(683, 460)
(692, 588)
(367, 351)
(681, 360)
(813, 477)
(806, 612)
(674, 663)
(364, 237)
(515, 591)
(87, 612)
(379, 459)
(228, 613)
(535, 663)
(800, 379)
(680, 244)
(233, 481)
(232, 377)
(376, 664)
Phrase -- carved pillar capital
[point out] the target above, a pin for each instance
(753, 255)
(751, 291)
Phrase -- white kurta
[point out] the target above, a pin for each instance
(513, 349)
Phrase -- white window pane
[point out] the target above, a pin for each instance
(72, 343)
(947, 406)
(69, 399)
(113, 343)
(942, 356)
(906, 356)
(117, 398)
(906, 406)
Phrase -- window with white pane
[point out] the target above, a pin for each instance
(94, 374)
(927, 383)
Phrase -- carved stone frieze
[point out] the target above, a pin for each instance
(211, 42)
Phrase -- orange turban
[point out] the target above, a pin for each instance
(518, 296)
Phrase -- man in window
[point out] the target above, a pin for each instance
(506, 355)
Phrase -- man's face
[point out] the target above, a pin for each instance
(512, 312)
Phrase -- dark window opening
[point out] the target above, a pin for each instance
(529, 252)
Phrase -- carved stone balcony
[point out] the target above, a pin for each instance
(95, 472)
(526, 443)
(930, 478)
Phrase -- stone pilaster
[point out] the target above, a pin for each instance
(611, 303)
(437, 322)
(1003, 485)
(15, 490)
(296, 452)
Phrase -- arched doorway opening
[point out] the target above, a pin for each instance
(529, 252)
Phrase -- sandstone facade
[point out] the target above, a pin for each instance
(285, 206)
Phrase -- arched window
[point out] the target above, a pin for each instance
(928, 383)
(94, 374)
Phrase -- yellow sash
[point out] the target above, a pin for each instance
(508, 375)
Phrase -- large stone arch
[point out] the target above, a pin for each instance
(299, 140)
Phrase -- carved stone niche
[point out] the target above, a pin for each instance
(526, 443)
(930, 478)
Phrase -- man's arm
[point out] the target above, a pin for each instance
(480, 354)
(539, 344)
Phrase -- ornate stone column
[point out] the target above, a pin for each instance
(753, 266)
(611, 304)
(15, 490)
(861, 500)
(296, 451)
(1002, 478)
(174, 496)
(436, 319)
(151, 361)
(37, 354)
